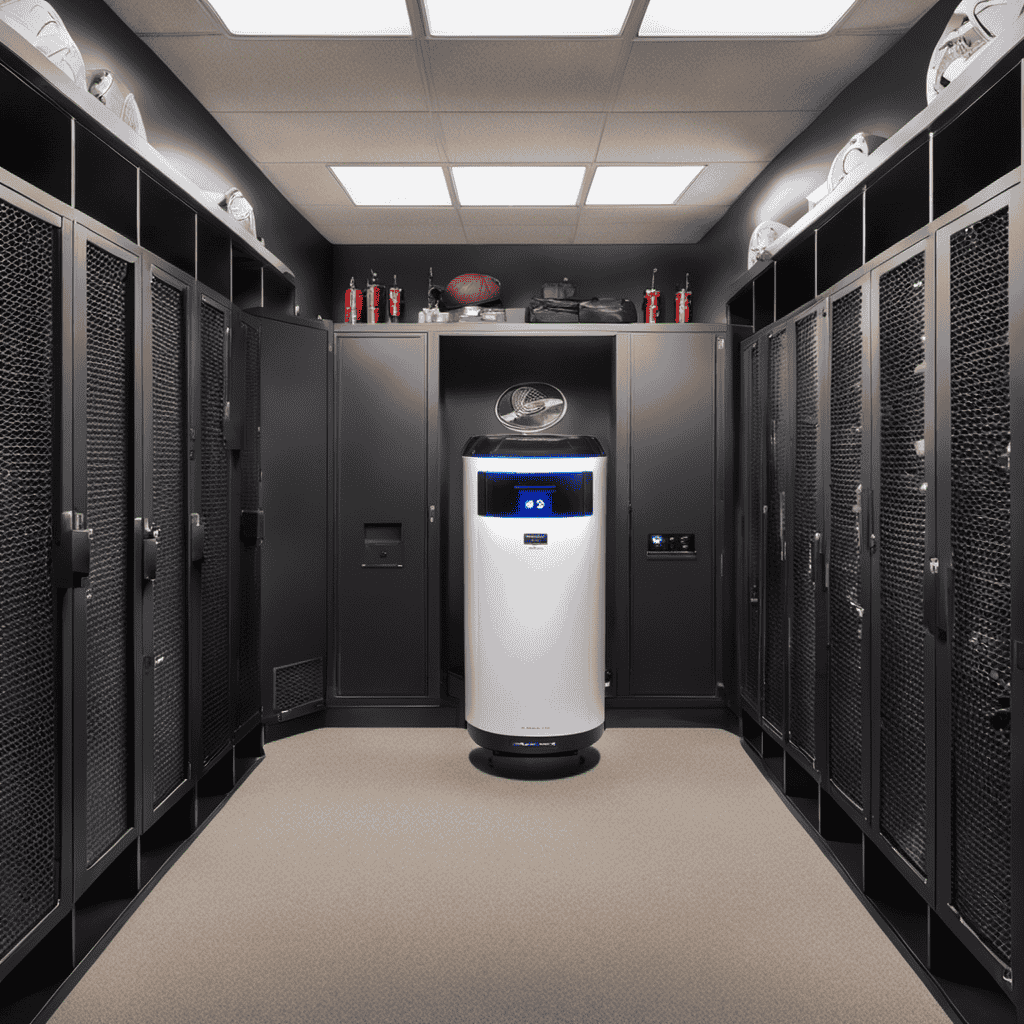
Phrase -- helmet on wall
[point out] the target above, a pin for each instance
(974, 24)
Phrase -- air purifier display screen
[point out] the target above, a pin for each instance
(535, 495)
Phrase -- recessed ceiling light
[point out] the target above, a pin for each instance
(313, 17)
(394, 186)
(640, 186)
(526, 17)
(518, 186)
(739, 18)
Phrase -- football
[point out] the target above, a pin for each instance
(471, 290)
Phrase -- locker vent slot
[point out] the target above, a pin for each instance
(298, 684)
(110, 515)
(980, 525)
(216, 708)
(170, 492)
(846, 626)
(777, 463)
(753, 432)
(248, 701)
(29, 650)
(805, 525)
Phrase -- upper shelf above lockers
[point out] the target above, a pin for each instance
(61, 140)
(968, 138)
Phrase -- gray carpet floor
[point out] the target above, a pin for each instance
(385, 876)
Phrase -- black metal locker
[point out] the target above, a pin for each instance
(32, 652)
(215, 467)
(979, 332)
(108, 457)
(752, 442)
(846, 563)
(778, 491)
(167, 316)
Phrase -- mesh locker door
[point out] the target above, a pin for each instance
(110, 506)
(216, 705)
(30, 653)
(169, 342)
(979, 546)
(845, 489)
(806, 538)
(778, 455)
(752, 435)
(247, 699)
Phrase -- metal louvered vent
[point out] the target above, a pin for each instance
(29, 647)
(214, 496)
(170, 492)
(901, 558)
(980, 525)
(248, 702)
(846, 622)
(298, 684)
(805, 525)
(753, 430)
(777, 464)
(110, 515)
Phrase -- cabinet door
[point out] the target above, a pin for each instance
(979, 353)
(899, 524)
(167, 345)
(672, 465)
(296, 367)
(382, 515)
(846, 566)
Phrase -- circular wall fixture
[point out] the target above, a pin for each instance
(530, 407)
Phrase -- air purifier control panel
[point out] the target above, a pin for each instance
(671, 545)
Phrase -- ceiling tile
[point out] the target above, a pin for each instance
(543, 75)
(523, 234)
(364, 137)
(700, 137)
(720, 184)
(521, 138)
(761, 74)
(167, 16)
(359, 226)
(289, 74)
(884, 15)
(528, 216)
(616, 225)
(307, 184)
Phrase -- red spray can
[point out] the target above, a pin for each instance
(684, 298)
(373, 291)
(353, 303)
(395, 302)
(651, 297)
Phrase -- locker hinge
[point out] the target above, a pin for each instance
(69, 557)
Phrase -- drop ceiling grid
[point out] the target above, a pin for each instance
(297, 106)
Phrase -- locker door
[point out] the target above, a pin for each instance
(167, 343)
(979, 353)
(778, 522)
(37, 599)
(108, 485)
(808, 530)
(846, 565)
(752, 471)
(899, 523)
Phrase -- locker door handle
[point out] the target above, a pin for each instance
(69, 557)
(148, 540)
(872, 533)
(930, 584)
(949, 603)
(198, 535)
(815, 557)
(252, 527)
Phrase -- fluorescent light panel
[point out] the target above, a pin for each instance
(394, 186)
(526, 17)
(640, 186)
(518, 186)
(313, 17)
(739, 18)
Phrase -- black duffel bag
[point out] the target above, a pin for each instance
(553, 311)
(607, 311)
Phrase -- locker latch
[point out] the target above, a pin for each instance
(198, 535)
(150, 548)
(252, 526)
(69, 557)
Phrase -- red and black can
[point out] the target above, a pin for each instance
(651, 297)
(353, 303)
(395, 302)
(373, 291)
(684, 299)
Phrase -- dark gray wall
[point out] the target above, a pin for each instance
(879, 102)
(175, 118)
(614, 271)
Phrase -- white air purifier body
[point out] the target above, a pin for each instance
(534, 546)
